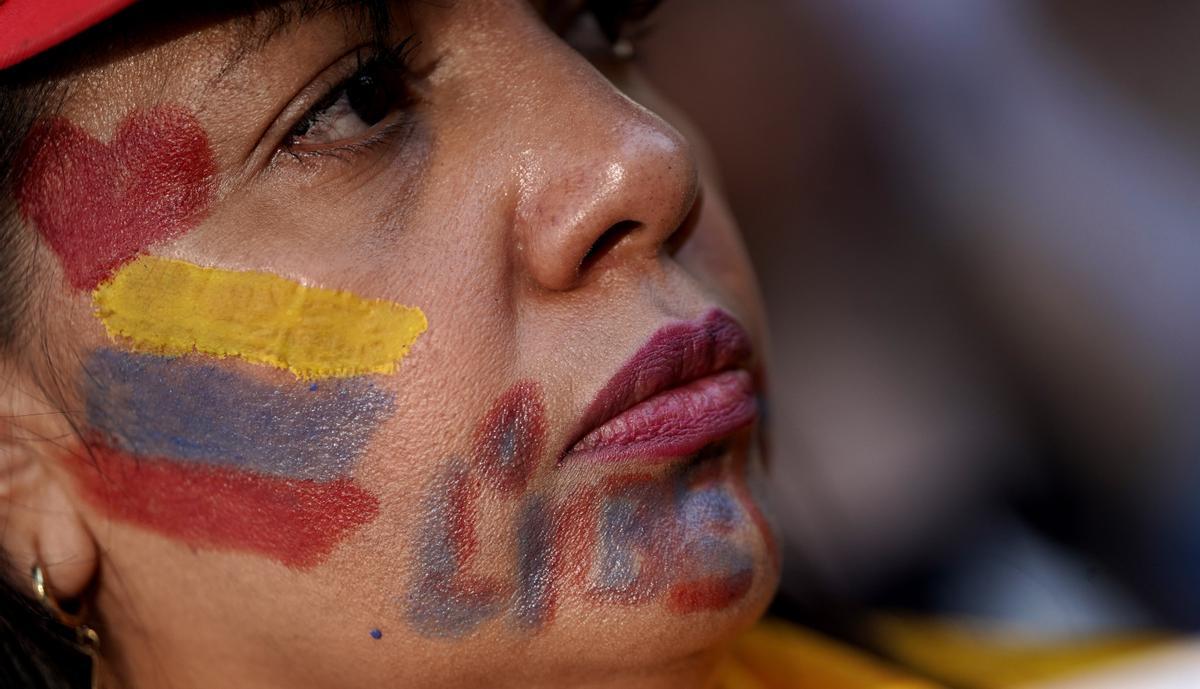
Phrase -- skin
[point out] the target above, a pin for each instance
(520, 156)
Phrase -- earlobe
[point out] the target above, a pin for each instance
(42, 523)
(64, 546)
(44, 527)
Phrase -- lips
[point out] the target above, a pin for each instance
(686, 388)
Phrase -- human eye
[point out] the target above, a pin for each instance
(361, 110)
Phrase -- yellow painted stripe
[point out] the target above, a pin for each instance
(167, 306)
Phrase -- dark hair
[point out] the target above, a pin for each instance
(35, 650)
(23, 98)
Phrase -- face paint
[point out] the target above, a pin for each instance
(211, 457)
(172, 307)
(161, 407)
(203, 454)
(628, 541)
(538, 564)
(447, 598)
(633, 545)
(295, 521)
(509, 440)
(100, 205)
(752, 496)
(674, 541)
(714, 572)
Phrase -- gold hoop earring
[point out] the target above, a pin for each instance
(85, 637)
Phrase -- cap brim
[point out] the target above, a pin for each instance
(29, 27)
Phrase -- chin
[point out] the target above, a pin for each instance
(704, 569)
(654, 642)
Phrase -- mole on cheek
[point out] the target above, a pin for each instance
(98, 205)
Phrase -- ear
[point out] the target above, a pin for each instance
(40, 522)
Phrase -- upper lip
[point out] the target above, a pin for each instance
(675, 355)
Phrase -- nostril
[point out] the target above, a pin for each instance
(607, 242)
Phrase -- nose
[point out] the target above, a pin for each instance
(603, 185)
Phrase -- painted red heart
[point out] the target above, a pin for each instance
(99, 205)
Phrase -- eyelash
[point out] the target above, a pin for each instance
(389, 68)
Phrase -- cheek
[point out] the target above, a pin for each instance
(215, 459)
(99, 205)
(218, 458)
(716, 255)
(255, 454)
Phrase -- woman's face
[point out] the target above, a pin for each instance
(435, 366)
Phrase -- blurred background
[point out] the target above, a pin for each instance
(977, 228)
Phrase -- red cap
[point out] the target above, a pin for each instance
(28, 27)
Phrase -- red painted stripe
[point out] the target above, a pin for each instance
(295, 521)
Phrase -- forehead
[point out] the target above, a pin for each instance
(225, 30)
(196, 53)
(236, 52)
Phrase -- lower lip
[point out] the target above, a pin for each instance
(675, 423)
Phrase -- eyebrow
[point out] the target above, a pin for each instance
(265, 21)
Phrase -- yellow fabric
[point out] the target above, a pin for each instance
(972, 656)
(777, 655)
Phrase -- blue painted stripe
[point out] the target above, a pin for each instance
(189, 410)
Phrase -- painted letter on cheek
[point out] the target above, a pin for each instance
(673, 538)
(713, 572)
(509, 440)
(634, 540)
(637, 540)
(537, 564)
(447, 598)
